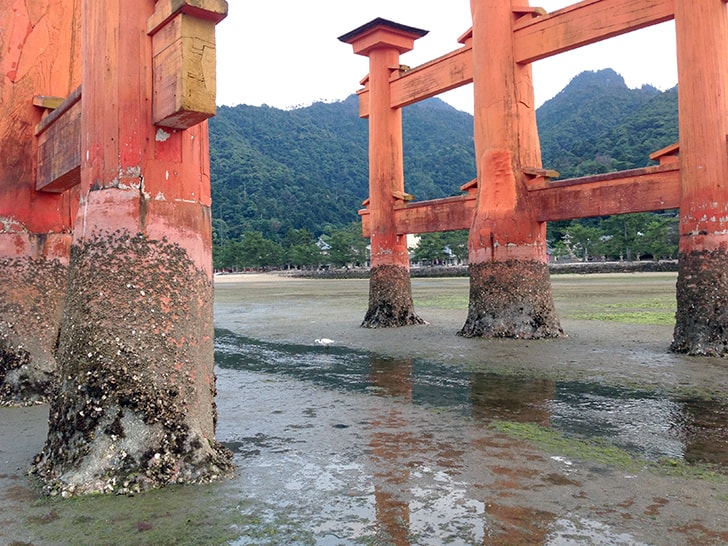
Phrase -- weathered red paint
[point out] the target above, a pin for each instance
(510, 293)
(702, 291)
(390, 301)
(40, 45)
(136, 342)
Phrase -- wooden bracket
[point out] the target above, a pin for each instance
(59, 144)
(47, 102)
(528, 11)
(470, 187)
(537, 178)
(668, 154)
(184, 59)
(403, 196)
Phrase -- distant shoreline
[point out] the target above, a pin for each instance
(455, 271)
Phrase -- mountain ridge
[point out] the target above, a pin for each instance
(275, 170)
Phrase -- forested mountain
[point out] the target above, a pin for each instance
(288, 174)
(275, 170)
(597, 124)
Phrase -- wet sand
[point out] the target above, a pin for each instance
(295, 310)
(321, 466)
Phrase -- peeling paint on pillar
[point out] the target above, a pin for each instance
(136, 406)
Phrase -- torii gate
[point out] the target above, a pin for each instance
(507, 206)
(110, 191)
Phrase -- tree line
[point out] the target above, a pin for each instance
(624, 237)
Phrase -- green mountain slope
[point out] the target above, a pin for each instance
(274, 170)
(597, 124)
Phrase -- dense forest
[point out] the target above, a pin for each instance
(287, 184)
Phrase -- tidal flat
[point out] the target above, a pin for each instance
(415, 435)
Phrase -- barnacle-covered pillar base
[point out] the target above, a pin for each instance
(390, 298)
(33, 271)
(136, 406)
(511, 299)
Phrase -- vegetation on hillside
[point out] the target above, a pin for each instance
(287, 185)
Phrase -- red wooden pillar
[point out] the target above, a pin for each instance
(390, 294)
(701, 326)
(510, 289)
(39, 58)
(136, 403)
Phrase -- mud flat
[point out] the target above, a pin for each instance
(415, 435)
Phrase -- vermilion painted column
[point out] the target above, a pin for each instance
(136, 404)
(40, 57)
(390, 294)
(510, 289)
(702, 288)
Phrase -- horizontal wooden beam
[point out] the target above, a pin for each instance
(585, 23)
(428, 80)
(59, 147)
(446, 214)
(637, 190)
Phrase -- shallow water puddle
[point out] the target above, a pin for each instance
(339, 447)
(645, 424)
(335, 446)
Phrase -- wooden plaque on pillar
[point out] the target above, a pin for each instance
(184, 58)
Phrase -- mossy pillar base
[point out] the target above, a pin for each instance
(136, 404)
(511, 299)
(701, 326)
(390, 298)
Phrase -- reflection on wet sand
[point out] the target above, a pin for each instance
(705, 430)
(430, 465)
(391, 444)
(395, 450)
(511, 398)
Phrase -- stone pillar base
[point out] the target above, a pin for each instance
(511, 299)
(32, 292)
(136, 403)
(390, 298)
(701, 326)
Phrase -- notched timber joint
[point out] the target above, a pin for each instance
(531, 12)
(668, 154)
(537, 178)
(403, 196)
(470, 187)
(47, 102)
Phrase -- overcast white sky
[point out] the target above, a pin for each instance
(285, 53)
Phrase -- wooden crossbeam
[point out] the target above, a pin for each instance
(635, 190)
(428, 80)
(446, 214)
(535, 38)
(585, 23)
(59, 146)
